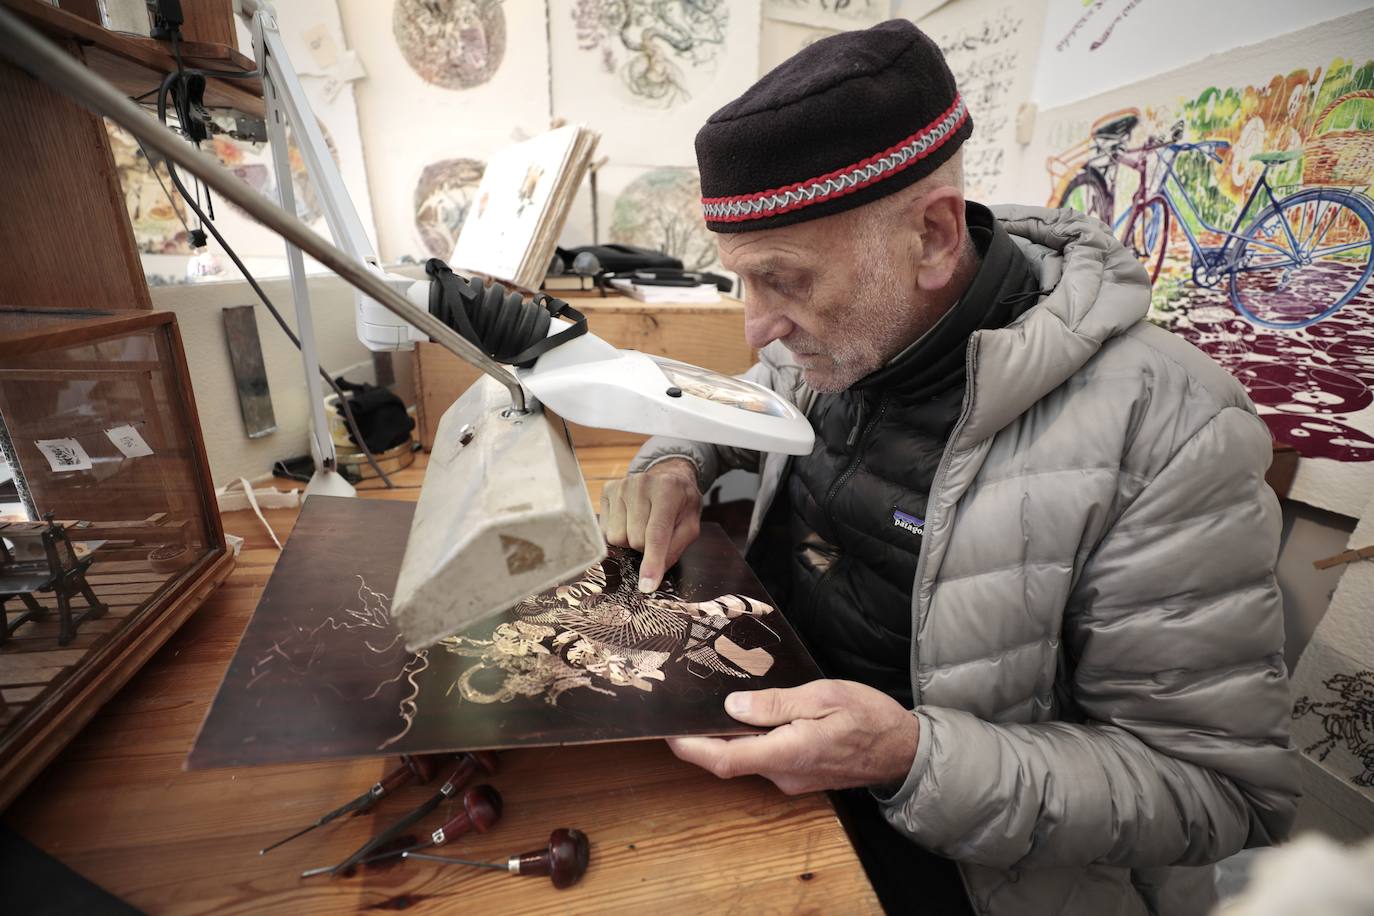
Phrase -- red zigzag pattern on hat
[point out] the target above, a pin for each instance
(840, 182)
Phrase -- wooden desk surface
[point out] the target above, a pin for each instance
(117, 807)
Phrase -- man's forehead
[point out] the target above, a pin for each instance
(771, 250)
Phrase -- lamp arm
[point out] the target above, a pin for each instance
(377, 329)
(339, 213)
(29, 50)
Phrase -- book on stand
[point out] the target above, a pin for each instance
(522, 202)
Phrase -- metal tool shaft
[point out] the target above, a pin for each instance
(449, 861)
(299, 833)
(24, 46)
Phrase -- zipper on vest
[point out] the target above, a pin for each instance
(933, 511)
(858, 422)
(861, 438)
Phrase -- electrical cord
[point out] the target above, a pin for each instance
(152, 167)
(208, 223)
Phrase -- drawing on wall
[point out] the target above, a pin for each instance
(661, 210)
(1347, 722)
(157, 220)
(648, 73)
(652, 46)
(1100, 28)
(443, 196)
(1333, 681)
(321, 671)
(1250, 207)
(252, 162)
(990, 48)
(454, 44)
(833, 14)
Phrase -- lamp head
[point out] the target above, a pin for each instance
(504, 512)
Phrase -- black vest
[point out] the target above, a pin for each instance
(852, 512)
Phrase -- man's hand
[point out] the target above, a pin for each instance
(829, 735)
(657, 512)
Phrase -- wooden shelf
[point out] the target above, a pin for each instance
(136, 65)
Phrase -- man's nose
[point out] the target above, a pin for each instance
(762, 325)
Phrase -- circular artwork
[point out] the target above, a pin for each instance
(661, 209)
(456, 44)
(443, 195)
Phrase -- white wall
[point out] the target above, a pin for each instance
(1094, 46)
(199, 316)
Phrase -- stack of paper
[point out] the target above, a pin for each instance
(514, 222)
(645, 292)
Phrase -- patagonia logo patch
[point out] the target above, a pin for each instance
(908, 522)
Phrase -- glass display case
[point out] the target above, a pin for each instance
(110, 537)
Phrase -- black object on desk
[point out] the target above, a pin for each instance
(36, 884)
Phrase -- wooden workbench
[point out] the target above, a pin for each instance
(117, 807)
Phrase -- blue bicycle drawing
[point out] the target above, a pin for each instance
(1296, 263)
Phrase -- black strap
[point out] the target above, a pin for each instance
(505, 325)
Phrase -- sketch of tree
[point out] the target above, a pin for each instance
(661, 209)
(648, 43)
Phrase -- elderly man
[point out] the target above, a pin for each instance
(1032, 548)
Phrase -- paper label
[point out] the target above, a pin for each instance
(64, 455)
(128, 441)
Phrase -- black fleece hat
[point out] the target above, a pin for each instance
(850, 119)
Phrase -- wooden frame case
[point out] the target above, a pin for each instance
(73, 374)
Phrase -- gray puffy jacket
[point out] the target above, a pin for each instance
(1098, 660)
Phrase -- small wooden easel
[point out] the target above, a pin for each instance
(61, 571)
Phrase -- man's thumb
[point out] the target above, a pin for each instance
(759, 707)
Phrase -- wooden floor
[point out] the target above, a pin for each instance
(31, 661)
(666, 837)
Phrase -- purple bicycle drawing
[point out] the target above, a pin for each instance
(1296, 262)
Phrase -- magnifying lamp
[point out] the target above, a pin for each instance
(503, 512)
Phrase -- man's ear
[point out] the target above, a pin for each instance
(943, 229)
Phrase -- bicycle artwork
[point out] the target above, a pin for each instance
(1294, 263)
(1250, 210)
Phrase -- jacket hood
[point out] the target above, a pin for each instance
(1098, 291)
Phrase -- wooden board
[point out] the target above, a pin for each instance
(135, 65)
(322, 671)
(65, 241)
(666, 836)
(708, 335)
(209, 22)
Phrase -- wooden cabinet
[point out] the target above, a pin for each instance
(83, 356)
(65, 240)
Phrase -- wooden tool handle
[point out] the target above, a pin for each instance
(481, 810)
(395, 779)
(564, 860)
(424, 766)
